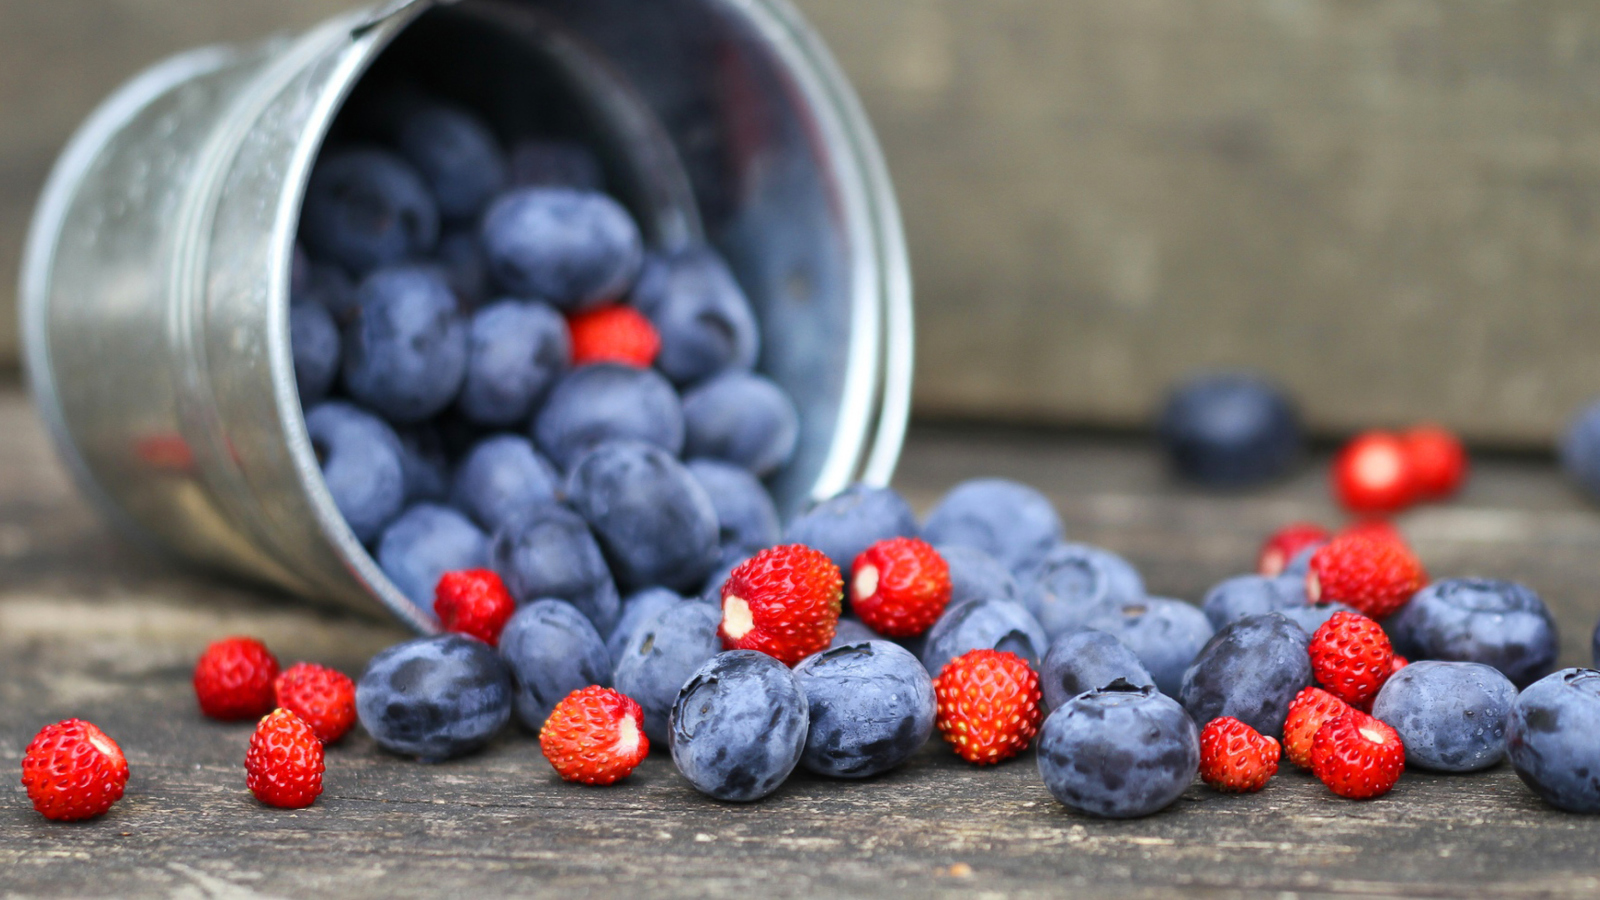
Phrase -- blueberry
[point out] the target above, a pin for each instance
(711, 590)
(746, 519)
(1252, 595)
(553, 650)
(299, 271)
(1499, 623)
(434, 698)
(654, 521)
(1085, 660)
(845, 525)
(426, 542)
(975, 575)
(853, 631)
(606, 402)
(1230, 430)
(739, 726)
(704, 319)
(1595, 645)
(457, 156)
(548, 163)
(366, 208)
(1119, 752)
(743, 419)
(1313, 615)
(548, 553)
(1550, 739)
(1451, 716)
(329, 287)
(871, 707)
(1580, 450)
(637, 609)
(1010, 521)
(992, 624)
(661, 654)
(360, 457)
(424, 463)
(314, 345)
(1251, 670)
(502, 478)
(1165, 635)
(460, 257)
(575, 249)
(1299, 565)
(406, 354)
(1074, 583)
(516, 352)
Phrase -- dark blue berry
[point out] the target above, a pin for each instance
(314, 345)
(1251, 670)
(1074, 583)
(553, 650)
(1085, 660)
(607, 402)
(1580, 450)
(426, 542)
(1010, 521)
(704, 319)
(1252, 595)
(424, 462)
(1550, 739)
(516, 352)
(329, 287)
(1451, 716)
(662, 653)
(1313, 615)
(460, 257)
(366, 208)
(548, 553)
(1300, 563)
(360, 457)
(654, 521)
(574, 249)
(434, 698)
(500, 479)
(845, 525)
(1119, 752)
(975, 575)
(990, 624)
(1230, 430)
(1165, 635)
(871, 706)
(1499, 623)
(405, 355)
(743, 419)
(853, 631)
(456, 154)
(746, 519)
(739, 726)
(637, 609)
(550, 163)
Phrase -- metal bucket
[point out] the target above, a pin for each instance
(155, 287)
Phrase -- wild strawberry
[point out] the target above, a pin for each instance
(783, 602)
(1357, 756)
(988, 705)
(1236, 758)
(1399, 662)
(1372, 474)
(1307, 712)
(1375, 575)
(233, 679)
(72, 771)
(595, 736)
(899, 586)
(617, 334)
(473, 602)
(1285, 543)
(1351, 657)
(323, 698)
(1437, 459)
(283, 766)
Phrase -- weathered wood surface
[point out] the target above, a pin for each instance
(92, 627)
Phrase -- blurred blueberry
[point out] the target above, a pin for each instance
(548, 553)
(1313, 615)
(366, 208)
(988, 624)
(637, 609)
(662, 653)
(575, 249)
(516, 352)
(1073, 583)
(424, 463)
(456, 154)
(1580, 450)
(852, 631)
(1252, 595)
(606, 402)
(553, 650)
(1010, 521)
(1230, 430)
(434, 698)
(1251, 670)
(1498, 623)
(1451, 716)
(1165, 635)
(314, 344)
(704, 319)
(850, 522)
(299, 272)
(426, 542)
(406, 353)
(460, 256)
(552, 163)
(975, 575)
(1300, 563)
(1087, 660)
(1118, 752)
(654, 521)
(871, 706)
(329, 287)
(1550, 739)
(746, 519)
(360, 458)
(501, 478)
(711, 589)
(743, 419)
(739, 726)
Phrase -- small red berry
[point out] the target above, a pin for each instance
(1399, 662)
(1372, 474)
(595, 736)
(283, 766)
(1437, 459)
(473, 602)
(784, 602)
(323, 698)
(1375, 575)
(615, 334)
(1351, 657)
(900, 586)
(1285, 543)
(1357, 756)
(72, 770)
(988, 705)
(233, 679)
(1236, 758)
(1307, 712)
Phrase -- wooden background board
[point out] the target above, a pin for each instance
(1391, 205)
(91, 627)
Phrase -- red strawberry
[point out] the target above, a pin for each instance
(1375, 575)
(899, 586)
(283, 767)
(988, 705)
(783, 602)
(595, 736)
(1307, 712)
(233, 679)
(1399, 662)
(1437, 459)
(616, 334)
(1357, 756)
(1351, 657)
(1285, 543)
(1372, 474)
(323, 698)
(473, 602)
(72, 771)
(1236, 758)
